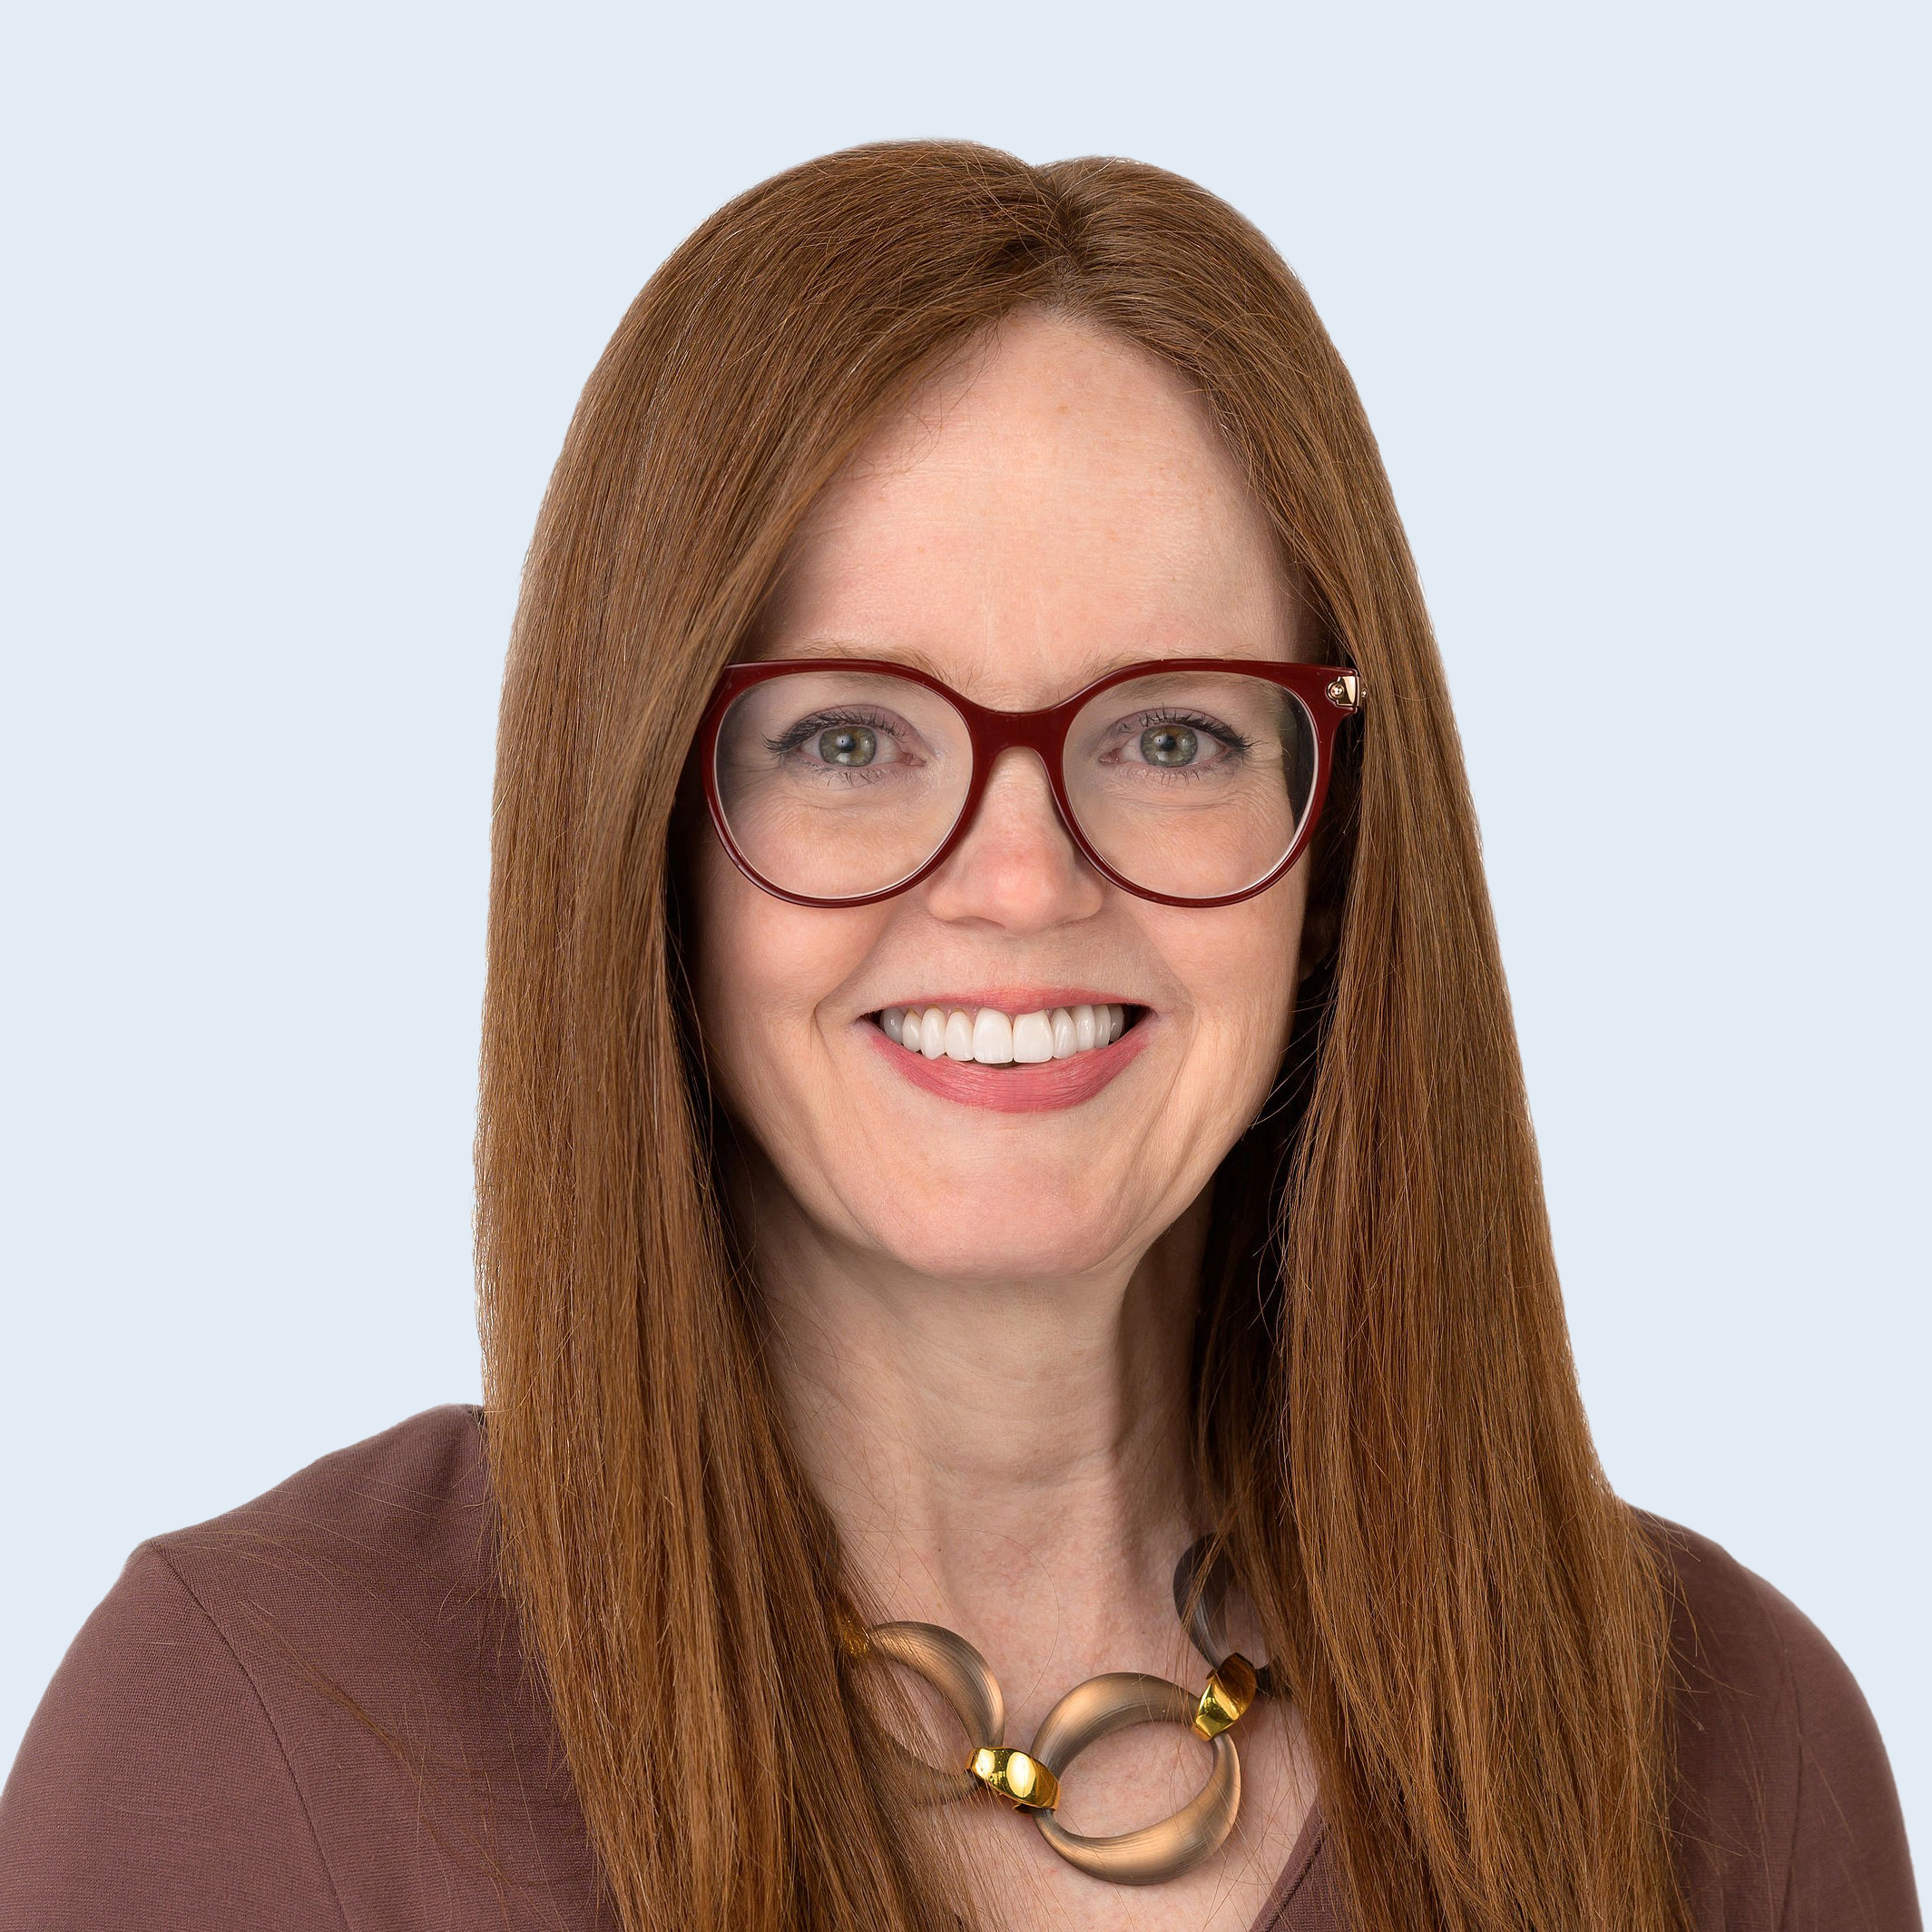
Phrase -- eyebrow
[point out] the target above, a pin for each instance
(1096, 665)
(909, 655)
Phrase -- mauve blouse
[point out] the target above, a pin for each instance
(197, 1762)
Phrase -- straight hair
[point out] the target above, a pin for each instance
(1474, 1627)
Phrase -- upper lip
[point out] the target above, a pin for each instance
(1016, 999)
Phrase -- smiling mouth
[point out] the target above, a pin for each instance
(987, 1037)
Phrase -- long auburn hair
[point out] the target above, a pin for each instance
(1475, 1628)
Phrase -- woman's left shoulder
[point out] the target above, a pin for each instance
(1787, 1813)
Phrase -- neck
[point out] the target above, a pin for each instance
(1007, 1457)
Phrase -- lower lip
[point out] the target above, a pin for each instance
(1038, 1088)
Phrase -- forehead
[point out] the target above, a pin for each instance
(1056, 502)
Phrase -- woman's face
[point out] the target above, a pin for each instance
(1059, 508)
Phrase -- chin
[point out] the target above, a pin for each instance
(969, 1242)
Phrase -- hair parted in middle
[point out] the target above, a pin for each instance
(1386, 1413)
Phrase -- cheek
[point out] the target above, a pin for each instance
(1240, 966)
(762, 971)
(726, 953)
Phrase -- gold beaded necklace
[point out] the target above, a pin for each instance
(1029, 1779)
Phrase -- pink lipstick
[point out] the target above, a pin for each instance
(1033, 1086)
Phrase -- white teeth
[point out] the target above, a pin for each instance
(989, 1037)
(1033, 1038)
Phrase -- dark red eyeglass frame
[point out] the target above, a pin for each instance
(1329, 693)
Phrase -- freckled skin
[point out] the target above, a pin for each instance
(1060, 507)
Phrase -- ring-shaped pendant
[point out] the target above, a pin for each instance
(960, 1676)
(1111, 1702)
(1206, 1616)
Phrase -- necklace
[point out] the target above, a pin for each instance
(1029, 1779)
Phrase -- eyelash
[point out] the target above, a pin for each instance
(826, 721)
(1236, 743)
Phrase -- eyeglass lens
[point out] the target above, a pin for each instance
(837, 783)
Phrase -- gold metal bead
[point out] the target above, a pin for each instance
(1231, 1688)
(1022, 1782)
(849, 1631)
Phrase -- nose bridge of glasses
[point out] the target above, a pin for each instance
(1005, 765)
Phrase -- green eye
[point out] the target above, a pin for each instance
(848, 744)
(1169, 744)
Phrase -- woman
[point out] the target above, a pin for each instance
(1002, 1164)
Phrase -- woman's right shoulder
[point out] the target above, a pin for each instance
(410, 1503)
(170, 1775)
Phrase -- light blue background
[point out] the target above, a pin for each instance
(302, 296)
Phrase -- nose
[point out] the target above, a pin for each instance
(1016, 867)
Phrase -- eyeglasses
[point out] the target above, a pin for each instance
(1192, 782)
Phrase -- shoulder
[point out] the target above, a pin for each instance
(251, 1727)
(1749, 1662)
(150, 1761)
(1787, 1814)
(407, 1508)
